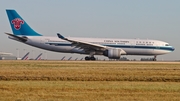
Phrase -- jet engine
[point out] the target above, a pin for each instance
(112, 53)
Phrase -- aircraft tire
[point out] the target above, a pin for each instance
(154, 59)
(87, 58)
(93, 58)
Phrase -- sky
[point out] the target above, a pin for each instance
(143, 19)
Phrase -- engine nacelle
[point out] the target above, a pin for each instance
(112, 53)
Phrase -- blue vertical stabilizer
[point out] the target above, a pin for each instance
(19, 26)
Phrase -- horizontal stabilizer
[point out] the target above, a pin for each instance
(22, 39)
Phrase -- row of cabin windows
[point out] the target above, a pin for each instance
(55, 41)
(145, 42)
(138, 42)
(108, 42)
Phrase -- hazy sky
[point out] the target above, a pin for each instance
(144, 19)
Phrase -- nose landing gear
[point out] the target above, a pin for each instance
(154, 59)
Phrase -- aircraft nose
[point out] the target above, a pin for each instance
(173, 48)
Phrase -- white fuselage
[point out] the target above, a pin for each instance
(130, 46)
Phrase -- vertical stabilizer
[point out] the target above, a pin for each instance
(18, 25)
(25, 57)
(39, 57)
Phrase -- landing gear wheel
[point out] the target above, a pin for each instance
(90, 58)
(87, 58)
(154, 59)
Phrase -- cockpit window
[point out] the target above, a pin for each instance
(166, 44)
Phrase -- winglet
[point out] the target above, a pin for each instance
(61, 37)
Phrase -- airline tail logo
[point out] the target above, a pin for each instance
(17, 23)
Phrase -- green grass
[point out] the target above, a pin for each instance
(87, 81)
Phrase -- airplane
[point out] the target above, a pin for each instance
(69, 58)
(113, 48)
(25, 57)
(81, 59)
(38, 57)
(63, 58)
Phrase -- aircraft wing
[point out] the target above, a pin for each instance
(83, 45)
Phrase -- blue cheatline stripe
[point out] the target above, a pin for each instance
(144, 47)
(168, 48)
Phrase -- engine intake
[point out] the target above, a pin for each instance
(112, 53)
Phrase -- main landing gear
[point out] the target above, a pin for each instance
(90, 58)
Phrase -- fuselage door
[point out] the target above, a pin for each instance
(157, 46)
(132, 43)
